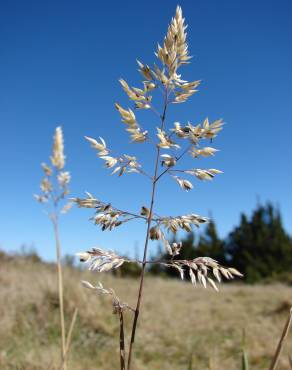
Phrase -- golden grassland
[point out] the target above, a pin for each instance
(177, 321)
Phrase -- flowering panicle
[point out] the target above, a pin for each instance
(54, 185)
(180, 139)
(58, 158)
(55, 188)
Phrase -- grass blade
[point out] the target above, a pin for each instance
(244, 357)
(290, 361)
(190, 365)
(280, 346)
(245, 365)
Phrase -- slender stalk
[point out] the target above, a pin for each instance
(169, 169)
(60, 287)
(144, 262)
(280, 346)
(69, 337)
(122, 341)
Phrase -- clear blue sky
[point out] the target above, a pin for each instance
(60, 63)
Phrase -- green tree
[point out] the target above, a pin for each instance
(211, 245)
(260, 247)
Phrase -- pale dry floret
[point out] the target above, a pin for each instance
(64, 178)
(46, 186)
(183, 183)
(88, 202)
(160, 75)
(67, 207)
(127, 164)
(164, 140)
(142, 105)
(182, 96)
(204, 152)
(108, 220)
(109, 161)
(145, 70)
(47, 169)
(168, 160)
(128, 117)
(180, 131)
(133, 93)
(100, 147)
(41, 198)
(137, 135)
(173, 249)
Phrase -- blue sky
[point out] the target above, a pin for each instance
(60, 64)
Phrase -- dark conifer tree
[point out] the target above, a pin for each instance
(260, 247)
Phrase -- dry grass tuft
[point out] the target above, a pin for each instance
(207, 324)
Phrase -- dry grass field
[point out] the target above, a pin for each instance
(177, 321)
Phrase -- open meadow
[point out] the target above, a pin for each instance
(177, 321)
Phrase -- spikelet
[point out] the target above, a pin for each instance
(100, 260)
(174, 51)
(202, 268)
(203, 174)
(184, 184)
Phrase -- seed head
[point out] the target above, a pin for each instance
(58, 157)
